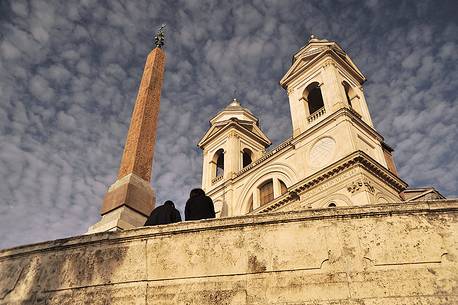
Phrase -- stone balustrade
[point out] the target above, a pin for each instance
(316, 114)
(264, 157)
(214, 180)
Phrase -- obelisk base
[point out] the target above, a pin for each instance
(120, 219)
(127, 204)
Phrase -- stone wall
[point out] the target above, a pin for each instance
(386, 254)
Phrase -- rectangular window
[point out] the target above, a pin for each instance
(283, 187)
(266, 192)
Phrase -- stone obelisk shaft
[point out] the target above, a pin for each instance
(141, 137)
(131, 198)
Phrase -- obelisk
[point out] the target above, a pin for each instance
(130, 200)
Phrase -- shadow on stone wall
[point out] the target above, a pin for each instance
(387, 254)
(60, 273)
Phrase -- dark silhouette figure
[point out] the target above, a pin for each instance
(163, 214)
(199, 206)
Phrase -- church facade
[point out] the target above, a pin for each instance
(335, 156)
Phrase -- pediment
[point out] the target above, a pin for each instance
(213, 130)
(311, 53)
(296, 67)
(246, 127)
(257, 131)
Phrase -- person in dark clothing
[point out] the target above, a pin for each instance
(163, 214)
(199, 206)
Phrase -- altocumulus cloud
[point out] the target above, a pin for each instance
(69, 73)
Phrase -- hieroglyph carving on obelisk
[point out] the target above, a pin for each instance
(131, 198)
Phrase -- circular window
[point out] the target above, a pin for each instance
(322, 152)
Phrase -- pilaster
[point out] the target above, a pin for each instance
(298, 112)
(277, 187)
(232, 157)
(333, 99)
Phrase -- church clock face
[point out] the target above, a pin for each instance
(322, 152)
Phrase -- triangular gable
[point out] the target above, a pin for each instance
(257, 131)
(352, 64)
(210, 132)
(302, 58)
(310, 51)
(250, 127)
(296, 66)
(313, 50)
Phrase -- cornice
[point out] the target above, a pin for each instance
(266, 156)
(332, 117)
(239, 111)
(281, 148)
(357, 158)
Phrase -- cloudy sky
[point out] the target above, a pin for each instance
(70, 70)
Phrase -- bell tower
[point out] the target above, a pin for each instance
(323, 82)
(233, 142)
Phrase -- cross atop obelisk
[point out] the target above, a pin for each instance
(130, 199)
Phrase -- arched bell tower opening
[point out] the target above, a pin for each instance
(218, 161)
(349, 94)
(313, 97)
(247, 157)
(352, 98)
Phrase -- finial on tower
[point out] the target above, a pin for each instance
(313, 37)
(159, 39)
(235, 102)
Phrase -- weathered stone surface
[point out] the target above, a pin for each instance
(131, 191)
(370, 255)
(132, 188)
(138, 152)
(122, 218)
(122, 294)
(215, 291)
